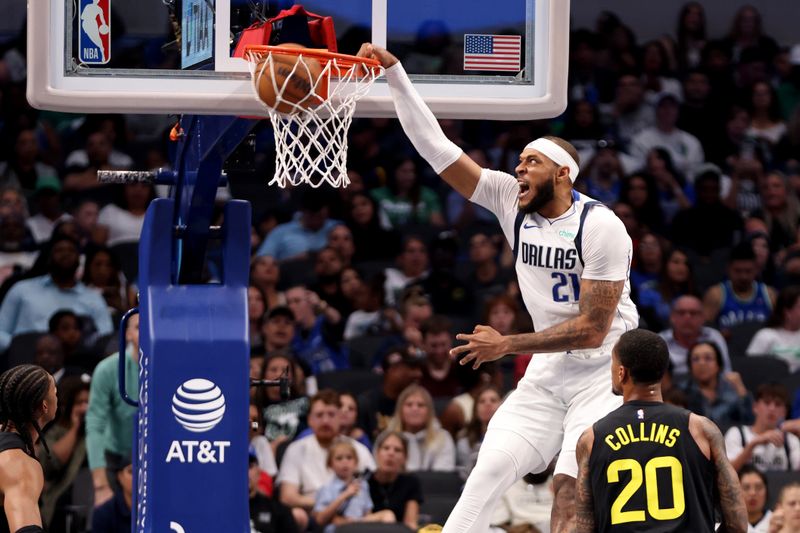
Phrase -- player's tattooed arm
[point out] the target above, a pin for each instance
(597, 304)
(731, 499)
(584, 504)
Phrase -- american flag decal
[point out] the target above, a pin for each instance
(492, 52)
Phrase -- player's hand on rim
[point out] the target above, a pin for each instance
(370, 50)
(485, 344)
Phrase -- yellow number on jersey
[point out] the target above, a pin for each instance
(651, 487)
(618, 516)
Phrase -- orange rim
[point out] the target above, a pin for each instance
(344, 61)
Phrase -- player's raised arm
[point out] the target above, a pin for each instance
(731, 499)
(422, 128)
(584, 504)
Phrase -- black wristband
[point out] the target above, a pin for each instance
(30, 529)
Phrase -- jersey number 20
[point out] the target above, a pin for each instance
(618, 516)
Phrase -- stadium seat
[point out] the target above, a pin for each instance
(354, 381)
(21, 351)
(436, 508)
(440, 483)
(758, 369)
(372, 527)
(776, 481)
(740, 337)
(128, 255)
(364, 350)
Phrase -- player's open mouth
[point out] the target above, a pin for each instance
(524, 190)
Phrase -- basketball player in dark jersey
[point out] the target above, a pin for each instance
(27, 403)
(650, 466)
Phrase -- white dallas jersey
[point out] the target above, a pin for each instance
(552, 256)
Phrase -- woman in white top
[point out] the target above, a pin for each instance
(754, 488)
(781, 336)
(766, 121)
(124, 223)
(469, 443)
(429, 446)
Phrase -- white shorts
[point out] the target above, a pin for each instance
(560, 396)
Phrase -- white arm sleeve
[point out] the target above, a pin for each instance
(419, 123)
(733, 443)
(601, 261)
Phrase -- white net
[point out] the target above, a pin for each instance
(315, 99)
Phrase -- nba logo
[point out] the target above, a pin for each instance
(94, 41)
(640, 414)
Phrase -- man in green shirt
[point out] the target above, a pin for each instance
(109, 420)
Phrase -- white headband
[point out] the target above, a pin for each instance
(558, 155)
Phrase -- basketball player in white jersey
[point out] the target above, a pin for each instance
(572, 262)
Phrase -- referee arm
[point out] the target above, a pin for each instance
(584, 504)
(731, 499)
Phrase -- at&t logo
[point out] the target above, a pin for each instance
(198, 406)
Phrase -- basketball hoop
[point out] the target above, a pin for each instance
(310, 130)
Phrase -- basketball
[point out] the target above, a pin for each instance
(103, 29)
(298, 89)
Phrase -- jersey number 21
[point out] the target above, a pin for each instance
(567, 287)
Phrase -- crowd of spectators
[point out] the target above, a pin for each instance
(692, 139)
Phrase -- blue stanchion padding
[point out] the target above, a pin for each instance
(192, 447)
(190, 440)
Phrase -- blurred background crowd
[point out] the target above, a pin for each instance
(692, 139)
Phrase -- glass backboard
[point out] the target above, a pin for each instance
(468, 58)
